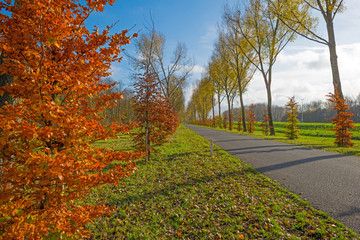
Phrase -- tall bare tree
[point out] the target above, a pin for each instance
(267, 36)
(297, 13)
(232, 47)
(172, 74)
(224, 75)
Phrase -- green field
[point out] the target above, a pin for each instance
(312, 135)
(183, 193)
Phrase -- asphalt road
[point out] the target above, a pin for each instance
(329, 181)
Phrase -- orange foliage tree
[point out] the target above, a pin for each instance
(231, 122)
(225, 121)
(265, 123)
(239, 126)
(292, 131)
(342, 121)
(47, 162)
(251, 118)
(156, 117)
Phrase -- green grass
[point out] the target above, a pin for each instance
(183, 193)
(312, 135)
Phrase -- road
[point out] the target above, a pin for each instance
(329, 181)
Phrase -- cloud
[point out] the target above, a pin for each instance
(197, 69)
(207, 40)
(306, 74)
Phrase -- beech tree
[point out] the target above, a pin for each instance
(155, 115)
(265, 123)
(292, 131)
(251, 118)
(47, 159)
(225, 121)
(342, 121)
(239, 127)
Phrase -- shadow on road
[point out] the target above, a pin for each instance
(297, 162)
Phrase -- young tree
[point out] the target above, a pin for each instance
(265, 123)
(292, 131)
(47, 158)
(155, 115)
(342, 120)
(251, 119)
(225, 121)
(239, 127)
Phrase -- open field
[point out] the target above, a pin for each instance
(312, 135)
(183, 193)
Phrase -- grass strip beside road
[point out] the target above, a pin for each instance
(312, 135)
(183, 193)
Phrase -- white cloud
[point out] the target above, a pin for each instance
(207, 40)
(306, 74)
(197, 69)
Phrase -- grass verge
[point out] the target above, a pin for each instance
(183, 193)
(311, 136)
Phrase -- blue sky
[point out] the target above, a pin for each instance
(302, 69)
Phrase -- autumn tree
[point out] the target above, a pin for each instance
(239, 127)
(220, 70)
(265, 123)
(342, 121)
(296, 15)
(251, 119)
(216, 80)
(292, 130)
(47, 158)
(151, 57)
(225, 121)
(155, 115)
(267, 36)
(236, 51)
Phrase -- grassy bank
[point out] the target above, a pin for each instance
(183, 193)
(312, 135)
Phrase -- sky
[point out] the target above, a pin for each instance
(303, 67)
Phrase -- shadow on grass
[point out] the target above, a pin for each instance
(171, 189)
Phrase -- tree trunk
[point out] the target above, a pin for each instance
(213, 108)
(219, 105)
(333, 56)
(229, 107)
(271, 124)
(242, 105)
(268, 91)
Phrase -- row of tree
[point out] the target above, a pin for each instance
(250, 39)
(313, 112)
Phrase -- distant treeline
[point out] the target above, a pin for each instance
(314, 112)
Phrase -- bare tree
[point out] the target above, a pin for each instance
(305, 26)
(172, 74)
(233, 48)
(266, 35)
